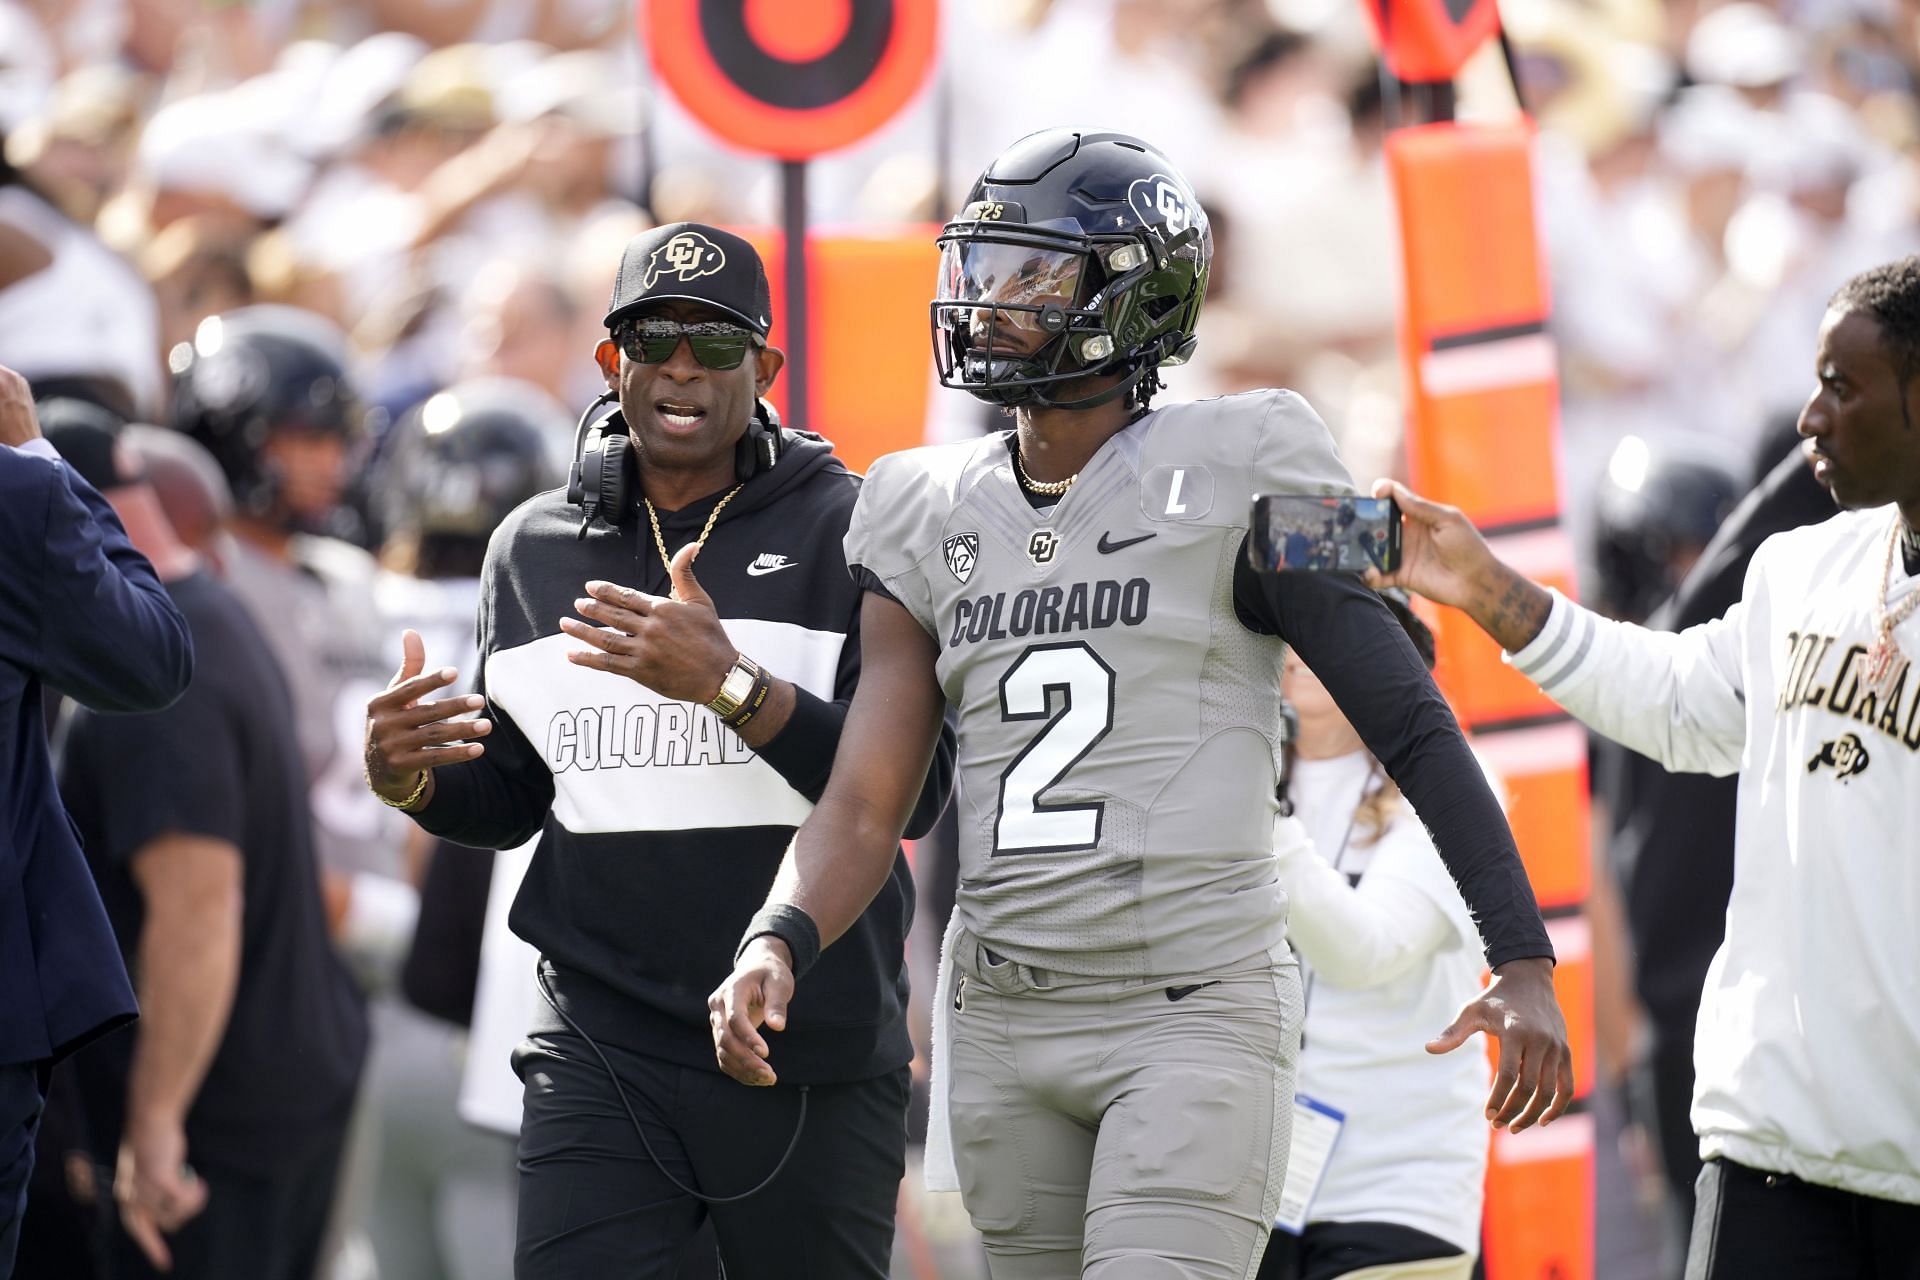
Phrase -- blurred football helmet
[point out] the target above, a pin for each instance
(1076, 254)
(254, 372)
(1656, 508)
(457, 464)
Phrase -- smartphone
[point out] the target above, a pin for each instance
(1307, 533)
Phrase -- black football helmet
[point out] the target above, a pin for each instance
(1657, 506)
(457, 464)
(1077, 254)
(255, 371)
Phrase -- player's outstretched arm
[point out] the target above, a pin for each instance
(842, 853)
(1444, 558)
(1676, 698)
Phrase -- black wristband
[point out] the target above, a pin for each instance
(792, 926)
(749, 705)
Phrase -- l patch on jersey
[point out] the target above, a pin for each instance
(963, 552)
(1176, 493)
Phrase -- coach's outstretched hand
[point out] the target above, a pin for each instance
(1444, 558)
(755, 992)
(1535, 1080)
(407, 737)
(674, 645)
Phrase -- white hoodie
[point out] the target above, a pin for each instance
(1807, 1052)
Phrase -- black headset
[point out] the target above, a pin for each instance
(602, 477)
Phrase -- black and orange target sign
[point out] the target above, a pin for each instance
(792, 78)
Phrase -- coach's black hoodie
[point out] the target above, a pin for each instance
(660, 832)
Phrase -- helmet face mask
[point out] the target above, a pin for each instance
(1078, 255)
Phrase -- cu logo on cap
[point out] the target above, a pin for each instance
(688, 256)
(1160, 199)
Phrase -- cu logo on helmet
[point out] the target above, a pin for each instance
(1160, 199)
(687, 256)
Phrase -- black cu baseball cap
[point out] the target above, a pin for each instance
(692, 262)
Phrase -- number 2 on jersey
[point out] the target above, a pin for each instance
(1085, 685)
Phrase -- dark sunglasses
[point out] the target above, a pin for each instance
(716, 344)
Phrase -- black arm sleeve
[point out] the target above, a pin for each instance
(1360, 653)
(802, 752)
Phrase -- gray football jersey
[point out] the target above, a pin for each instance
(1118, 725)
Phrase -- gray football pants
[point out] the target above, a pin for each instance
(1112, 1131)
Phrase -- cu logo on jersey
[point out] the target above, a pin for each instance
(687, 256)
(1160, 199)
(962, 552)
(1042, 546)
(1846, 755)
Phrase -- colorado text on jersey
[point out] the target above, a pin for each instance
(1813, 680)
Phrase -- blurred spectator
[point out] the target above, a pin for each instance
(197, 268)
(83, 615)
(1390, 951)
(521, 322)
(80, 148)
(454, 469)
(266, 391)
(74, 317)
(223, 1113)
(189, 485)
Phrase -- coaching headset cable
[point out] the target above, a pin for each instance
(546, 993)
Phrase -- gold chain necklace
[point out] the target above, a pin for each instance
(660, 543)
(1047, 488)
(1885, 653)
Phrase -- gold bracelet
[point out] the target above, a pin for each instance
(413, 796)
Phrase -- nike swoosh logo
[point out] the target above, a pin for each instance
(761, 570)
(1181, 993)
(1106, 546)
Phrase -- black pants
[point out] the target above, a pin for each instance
(1330, 1249)
(253, 1228)
(1752, 1225)
(594, 1203)
(22, 1095)
(1664, 1088)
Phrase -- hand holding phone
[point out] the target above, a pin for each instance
(1298, 532)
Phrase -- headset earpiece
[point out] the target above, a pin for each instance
(597, 482)
(761, 444)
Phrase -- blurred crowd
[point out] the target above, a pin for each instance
(445, 188)
(450, 183)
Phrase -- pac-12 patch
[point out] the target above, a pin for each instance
(963, 552)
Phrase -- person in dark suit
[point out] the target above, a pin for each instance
(81, 612)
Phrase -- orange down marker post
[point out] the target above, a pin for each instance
(871, 355)
(1483, 396)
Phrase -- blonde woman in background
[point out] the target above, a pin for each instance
(1389, 955)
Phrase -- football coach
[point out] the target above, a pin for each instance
(665, 735)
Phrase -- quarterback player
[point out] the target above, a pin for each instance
(1806, 1098)
(1123, 1013)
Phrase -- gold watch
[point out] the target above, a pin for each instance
(735, 688)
